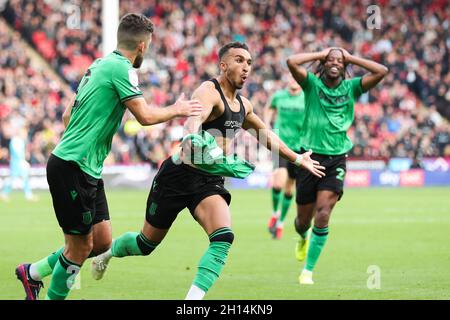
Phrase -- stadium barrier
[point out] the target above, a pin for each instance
(130, 176)
(360, 173)
(362, 178)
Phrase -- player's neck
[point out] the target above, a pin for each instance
(130, 55)
(228, 89)
(294, 92)
(331, 82)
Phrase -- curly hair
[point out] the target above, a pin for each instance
(133, 28)
(320, 70)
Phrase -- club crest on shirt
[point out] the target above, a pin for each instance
(133, 77)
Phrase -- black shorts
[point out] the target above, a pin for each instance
(79, 200)
(307, 184)
(177, 186)
(291, 168)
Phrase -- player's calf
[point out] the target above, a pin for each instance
(212, 263)
(302, 228)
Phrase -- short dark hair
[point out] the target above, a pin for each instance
(133, 28)
(228, 46)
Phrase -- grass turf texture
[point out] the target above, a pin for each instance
(405, 232)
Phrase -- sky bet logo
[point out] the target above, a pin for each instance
(232, 124)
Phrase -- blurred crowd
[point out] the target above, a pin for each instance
(406, 116)
(29, 98)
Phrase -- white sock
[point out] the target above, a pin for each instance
(276, 213)
(34, 273)
(106, 256)
(280, 224)
(195, 293)
(306, 272)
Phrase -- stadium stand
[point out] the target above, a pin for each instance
(407, 116)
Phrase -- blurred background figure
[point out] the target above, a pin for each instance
(287, 107)
(18, 165)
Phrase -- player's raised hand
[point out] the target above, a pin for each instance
(324, 53)
(187, 108)
(311, 165)
(346, 54)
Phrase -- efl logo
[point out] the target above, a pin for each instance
(358, 178)
(412, 178)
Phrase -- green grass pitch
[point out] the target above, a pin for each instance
(404, 232)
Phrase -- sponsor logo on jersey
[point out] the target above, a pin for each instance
(232, 124)
(133, 78)
(333, 100)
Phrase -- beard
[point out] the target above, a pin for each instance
(235, 83)
(239, 85)
(138, 61)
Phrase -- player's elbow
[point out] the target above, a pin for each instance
(149, 118)
(145, 120)
(382, 71)
(293, 66)
(290, 62)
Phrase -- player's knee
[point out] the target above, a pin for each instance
(323, 212)
(289, 187)
(78, 252)
(322, 216)
(222, 235)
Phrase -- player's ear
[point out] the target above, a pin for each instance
(141, 47)
(223, 66)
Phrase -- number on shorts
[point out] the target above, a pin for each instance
(341, 174)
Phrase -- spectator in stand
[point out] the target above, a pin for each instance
(416, 49)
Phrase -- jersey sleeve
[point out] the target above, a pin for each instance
(125, 80)
(356, 84)
(309, 82)
(274, 100)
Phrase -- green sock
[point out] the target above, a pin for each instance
(213, 261)
(285, 204)
(276, 196)
(63, 278)
(317, 241)
(132, 244)
(44, 267)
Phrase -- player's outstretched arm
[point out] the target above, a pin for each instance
(146, 115)
(272, 142)
(377, 70)
(295, 62)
